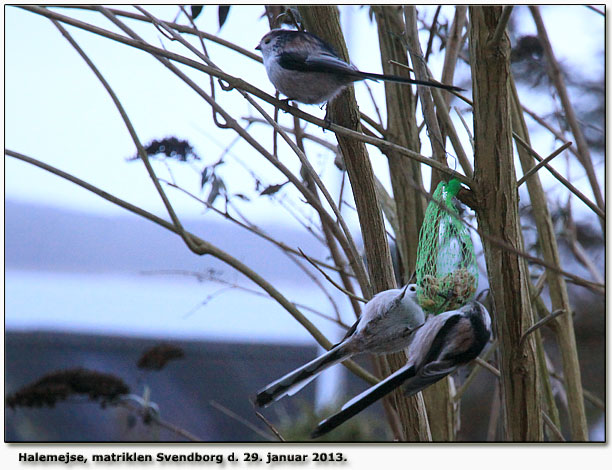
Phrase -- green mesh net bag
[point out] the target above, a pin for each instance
(446, 270)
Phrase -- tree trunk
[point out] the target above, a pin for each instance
(324, 22)
(497, 213)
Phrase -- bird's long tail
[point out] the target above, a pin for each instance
(398, 79)
(363, 400)
(294, 381)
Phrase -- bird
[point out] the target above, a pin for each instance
(445, 342)
(387, 324)
(306, 69)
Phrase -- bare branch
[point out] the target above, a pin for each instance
(226, 411)
(487, 366)
(349, 247)
(178, 27)
(204, 248)
(141, 151)
(596, 10)
(477, 366)
(334, 283)
(270, 425)
(552, 427)
(245, 86)
(543, 163)
(584, 155)
(538, 325)
(501, 26)
(561, 179)
(148, 416)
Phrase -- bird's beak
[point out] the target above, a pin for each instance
(258, 48)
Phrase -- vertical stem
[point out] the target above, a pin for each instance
(497, 213)
(563, 325)
(440, 406)
(324, 21)
(339, 261)
(402, 129)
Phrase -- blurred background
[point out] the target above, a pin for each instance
(89, 285)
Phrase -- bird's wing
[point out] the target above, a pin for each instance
(295, 380)
(293, 61)
(427, 376)
(321, 62)
(363, 400)
(330, 63)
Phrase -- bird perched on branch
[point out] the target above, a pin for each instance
(445, 342)
(305, 68)
(387, 324)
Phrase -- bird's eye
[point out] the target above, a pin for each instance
(267, 41)
(412, 288)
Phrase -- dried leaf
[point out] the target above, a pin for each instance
(58, 386)
(158, 356)
(217, 188)
(223, 12)
(195, 11)
(272, 189)
(206, 173)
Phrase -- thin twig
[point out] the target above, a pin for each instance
(270, 425)
(240, 419)
(432, 33)
(179, 27)
(538, 325)
(582, 256)
(554, 72)
(596, 287)
(494, 414)
(203, 248)
(343, 236)
(230, 285)
(474, 372)
(588, 395)
(245, 86)
(543, 163)
(332, 246)
(353, 254)
(421, 72)
(141, 151)
(374, 103)
(317, 140)
(488, 366)
(399, 64)
(552, 427)
(501, 26)
(465, 126)
(154, 418)
(454, 43)
(538, 286)
(289, 251)
(336, 285)
(372, 123)
(591, 7)
(561, 179)
(577, 248)
(558, 134)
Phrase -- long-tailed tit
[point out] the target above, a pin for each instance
(445, 342)
(387, 324)
(305, 68)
